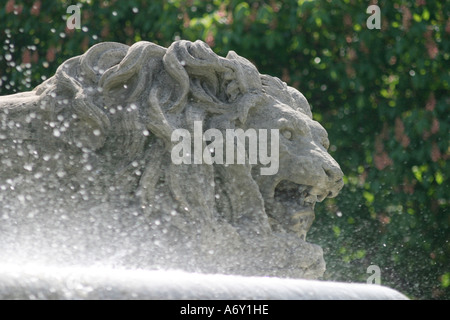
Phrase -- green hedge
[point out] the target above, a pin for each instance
(381, 94)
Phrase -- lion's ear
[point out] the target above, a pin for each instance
(300, 101)
(248, 102)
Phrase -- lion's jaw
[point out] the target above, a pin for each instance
(298, 205)
(290, 197)
(290, 205)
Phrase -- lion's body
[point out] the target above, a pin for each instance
(93, 144)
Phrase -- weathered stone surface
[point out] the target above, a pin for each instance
(86, 175)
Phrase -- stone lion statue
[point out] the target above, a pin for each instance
(86, 172)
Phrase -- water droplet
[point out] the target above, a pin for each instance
(97, 132)
(114, 13)
(60, 173)
(38, 175)
(135, 10)
(8, 57)
(56, 133)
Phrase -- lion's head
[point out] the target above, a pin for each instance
(105, 121)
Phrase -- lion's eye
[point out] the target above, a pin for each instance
(287, 134)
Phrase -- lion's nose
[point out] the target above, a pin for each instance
(335, 179)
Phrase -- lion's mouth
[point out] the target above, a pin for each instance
(294, 206)
(297, 194)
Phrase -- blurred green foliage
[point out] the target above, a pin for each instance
(381, 94)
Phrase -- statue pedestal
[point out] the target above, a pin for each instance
(41, 282)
